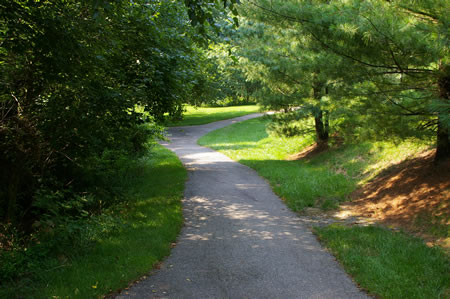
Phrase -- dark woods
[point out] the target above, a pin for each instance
(84, 84)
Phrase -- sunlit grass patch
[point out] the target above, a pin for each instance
(204, 115)
(389, 264)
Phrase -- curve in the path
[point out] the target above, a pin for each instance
(239, 239)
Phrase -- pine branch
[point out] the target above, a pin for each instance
(327, 46)
(422, 13)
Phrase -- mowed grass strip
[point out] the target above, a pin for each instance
(389, 264)
(204, 115)
(324, 180)
(150, 222)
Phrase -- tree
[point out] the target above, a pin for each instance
(396, 52)
(294, 75)
(84, 83)
(222, 81)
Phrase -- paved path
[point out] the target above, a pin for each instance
(239, 239)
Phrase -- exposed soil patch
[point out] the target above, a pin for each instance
(413, 195)
(309, 151)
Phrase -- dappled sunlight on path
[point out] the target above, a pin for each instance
(239, 239)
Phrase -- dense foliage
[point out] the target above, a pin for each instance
(83, 87)
(223, 82)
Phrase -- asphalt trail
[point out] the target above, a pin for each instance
(239, 239)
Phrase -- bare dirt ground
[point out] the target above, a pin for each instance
(309, 152)
(413, 195)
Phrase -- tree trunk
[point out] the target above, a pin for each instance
(320, 117)
(442, 144)
(443, 141)
(13, 187)
(321, 124)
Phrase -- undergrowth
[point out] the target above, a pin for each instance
(90, 256)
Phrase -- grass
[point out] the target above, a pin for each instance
(202, 115)
(389, 264)
(323, 180)
(148, 223)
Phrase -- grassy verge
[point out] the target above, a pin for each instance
(389, 264)
(323, 180)
(139, 234)
(201, 115)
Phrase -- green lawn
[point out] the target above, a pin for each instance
(323, 180)
(142, 232)
(389, 264)
(201, 115)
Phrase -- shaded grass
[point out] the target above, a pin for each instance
(202, 115)
(146, 226)
(389, 264)
(323, 180)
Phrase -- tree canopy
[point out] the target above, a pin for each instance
(383, 64)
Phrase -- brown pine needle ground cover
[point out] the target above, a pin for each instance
(413, 195)
(309, 152)
(316, 148)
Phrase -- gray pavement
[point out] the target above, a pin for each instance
(239, 239)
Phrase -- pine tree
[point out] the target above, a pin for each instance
(393, 57)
